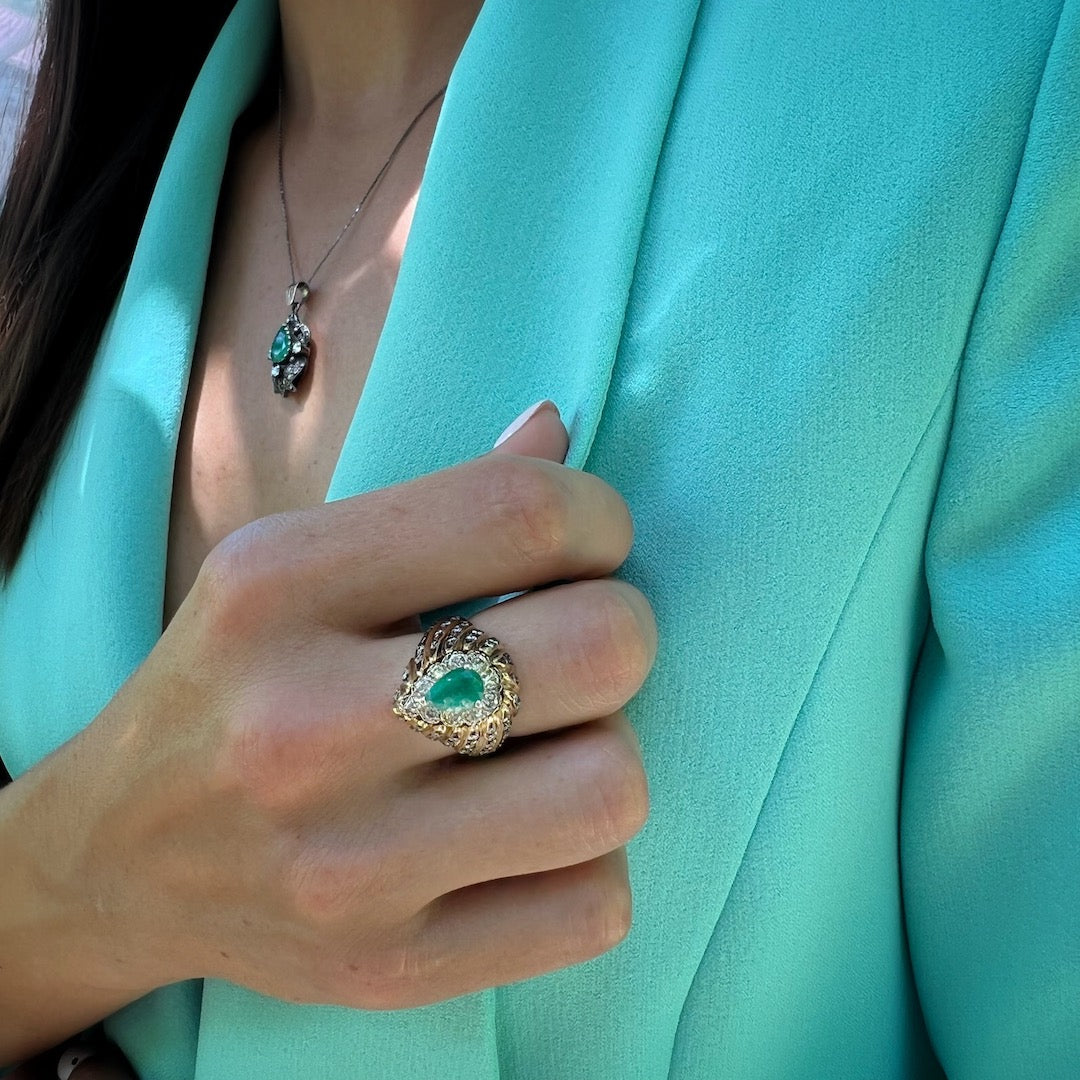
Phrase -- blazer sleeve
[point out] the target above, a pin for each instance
(990, 801)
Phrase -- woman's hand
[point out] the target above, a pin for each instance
(254, 811)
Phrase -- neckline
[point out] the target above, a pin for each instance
(258, 74)
(267, 51)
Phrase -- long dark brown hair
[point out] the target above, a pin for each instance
(95, 134)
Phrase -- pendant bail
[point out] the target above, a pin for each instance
(297, 293)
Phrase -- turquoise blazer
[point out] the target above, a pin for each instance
(804, 280)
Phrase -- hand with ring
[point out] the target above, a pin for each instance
(275, 805)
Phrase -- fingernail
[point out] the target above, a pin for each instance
(523, 419)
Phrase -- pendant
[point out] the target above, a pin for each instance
(289, 351)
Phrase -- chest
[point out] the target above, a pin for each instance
(245, 452)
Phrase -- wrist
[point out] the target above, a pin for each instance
(67, 961)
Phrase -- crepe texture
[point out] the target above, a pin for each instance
(804, 281)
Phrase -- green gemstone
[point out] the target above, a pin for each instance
(456, 688)
(280, 348)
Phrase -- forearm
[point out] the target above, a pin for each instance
(61, 969)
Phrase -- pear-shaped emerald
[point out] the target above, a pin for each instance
(461, 686)
(280, 348)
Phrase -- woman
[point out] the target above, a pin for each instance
(804, 286)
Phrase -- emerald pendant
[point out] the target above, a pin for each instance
(289, 351)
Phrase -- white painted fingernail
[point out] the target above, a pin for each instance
(522, 420)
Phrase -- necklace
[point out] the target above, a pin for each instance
(292, 345)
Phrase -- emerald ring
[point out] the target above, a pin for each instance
(459, 688)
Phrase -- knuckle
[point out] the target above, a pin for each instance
(265, 756)
(235, 584)
(610, 659)
(321, 885)
(618, 790)
(603, 918)
(528, 509)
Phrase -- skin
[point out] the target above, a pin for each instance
(248, 807)
(356, 74)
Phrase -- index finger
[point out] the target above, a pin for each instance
(495, 524)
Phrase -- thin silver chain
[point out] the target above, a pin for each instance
(359, 205)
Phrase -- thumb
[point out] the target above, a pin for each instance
(537, 432)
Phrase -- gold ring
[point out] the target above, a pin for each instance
(459, 688)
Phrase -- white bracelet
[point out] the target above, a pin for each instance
(72, 1057)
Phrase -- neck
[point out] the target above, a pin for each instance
(344, 58)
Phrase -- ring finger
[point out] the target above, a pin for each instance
(325, 722)
(580, 651)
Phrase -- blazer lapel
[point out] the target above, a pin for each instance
(137, 397)
(91, 581)
(516, 272)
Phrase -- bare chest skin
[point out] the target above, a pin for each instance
(244, 451)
